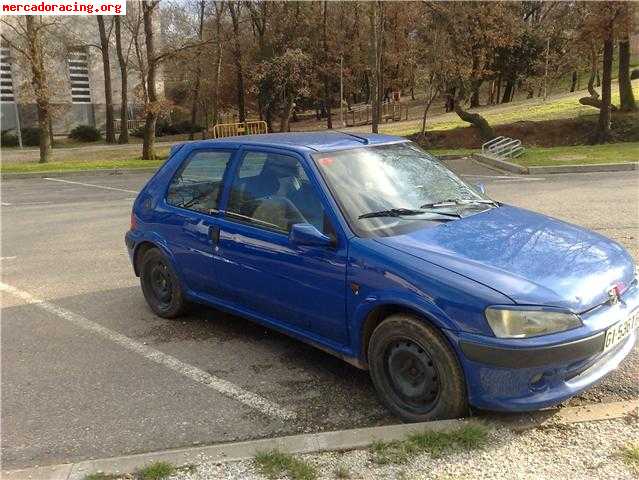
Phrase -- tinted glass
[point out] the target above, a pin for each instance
(197, 185)
(272, 191)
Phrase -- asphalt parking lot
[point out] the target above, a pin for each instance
(88, 371)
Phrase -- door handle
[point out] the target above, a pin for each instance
(214, 233)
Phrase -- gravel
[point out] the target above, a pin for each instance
(572, 452)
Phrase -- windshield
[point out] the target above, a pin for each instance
(385, 188)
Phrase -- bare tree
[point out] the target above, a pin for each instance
(154, 59)
(235, 10)
(626, 96)
(123, 60)
(29, 41)
(106, 67)
(326, 76)
(152, 108)
(375, 58)
(219, 10)
(603, 125)
(198, 70)
(432, 87)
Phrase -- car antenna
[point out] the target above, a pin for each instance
(364, 140)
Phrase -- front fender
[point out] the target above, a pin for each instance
(380, 276)
(419, 304)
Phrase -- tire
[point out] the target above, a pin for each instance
(161, 286)
(415, 371)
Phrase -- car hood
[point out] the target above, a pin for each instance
(531, 258)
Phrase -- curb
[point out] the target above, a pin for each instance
(78, 173)
(593, 167)
(316, 442)
(491, 161)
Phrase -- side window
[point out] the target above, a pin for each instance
(272, 191)
(197, 184)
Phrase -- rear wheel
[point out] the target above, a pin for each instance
(415, 371)
(161, 286)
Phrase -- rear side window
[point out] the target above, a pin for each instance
(197, 184)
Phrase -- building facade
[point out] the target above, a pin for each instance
(76, 79)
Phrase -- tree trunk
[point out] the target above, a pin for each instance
(593, 74)
(108, 93)
(474, 98)
(124, 82)
(573, 83)
(51, 130)
(234, 10)
(148, 146)
(603, 126)
(327, 89)
(626, 96)
(285, 117)
(498, 90)
(39, 83)
(426, 109)
(268, 118)
(218, 71)
(596, 103)
(375, 64)
(508, 91)
(198, 74)
(485, 130)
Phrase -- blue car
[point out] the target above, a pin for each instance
(369, 248)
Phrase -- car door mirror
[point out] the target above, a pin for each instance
(307, 235)
(480, 187)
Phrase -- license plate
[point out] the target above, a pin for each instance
(620, 330)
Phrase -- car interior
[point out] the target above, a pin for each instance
(277, 196)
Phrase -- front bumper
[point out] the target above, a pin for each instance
(534, 373)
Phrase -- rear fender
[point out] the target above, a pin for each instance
(160, 243)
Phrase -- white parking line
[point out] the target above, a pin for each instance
(89, 185)
(26, 204)
(8, 258)
(5, 204)
(224, 387)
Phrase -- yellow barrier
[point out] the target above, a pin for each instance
(242, 128)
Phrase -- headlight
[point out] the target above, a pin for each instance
(513, 323)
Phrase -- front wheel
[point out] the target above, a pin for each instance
(415, 371)
(161, 286)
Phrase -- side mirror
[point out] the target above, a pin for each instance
(307, 235)
(480, 187)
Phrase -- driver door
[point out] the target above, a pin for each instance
(257, 267)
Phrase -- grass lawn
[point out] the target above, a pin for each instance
(73, 165)
(582, 154)
(564, 106)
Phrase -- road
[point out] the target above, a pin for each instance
(88, 371)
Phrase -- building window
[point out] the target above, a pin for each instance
(6, 76)
(79, 77)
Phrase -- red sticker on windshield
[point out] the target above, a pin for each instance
(326, 161)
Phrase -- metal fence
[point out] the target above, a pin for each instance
(362, 114)
(504, 147)
(131, 124)
(241, 128)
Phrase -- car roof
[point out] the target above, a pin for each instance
(305, 141)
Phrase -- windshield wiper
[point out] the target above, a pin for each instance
(457, 202)
(400, 212)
